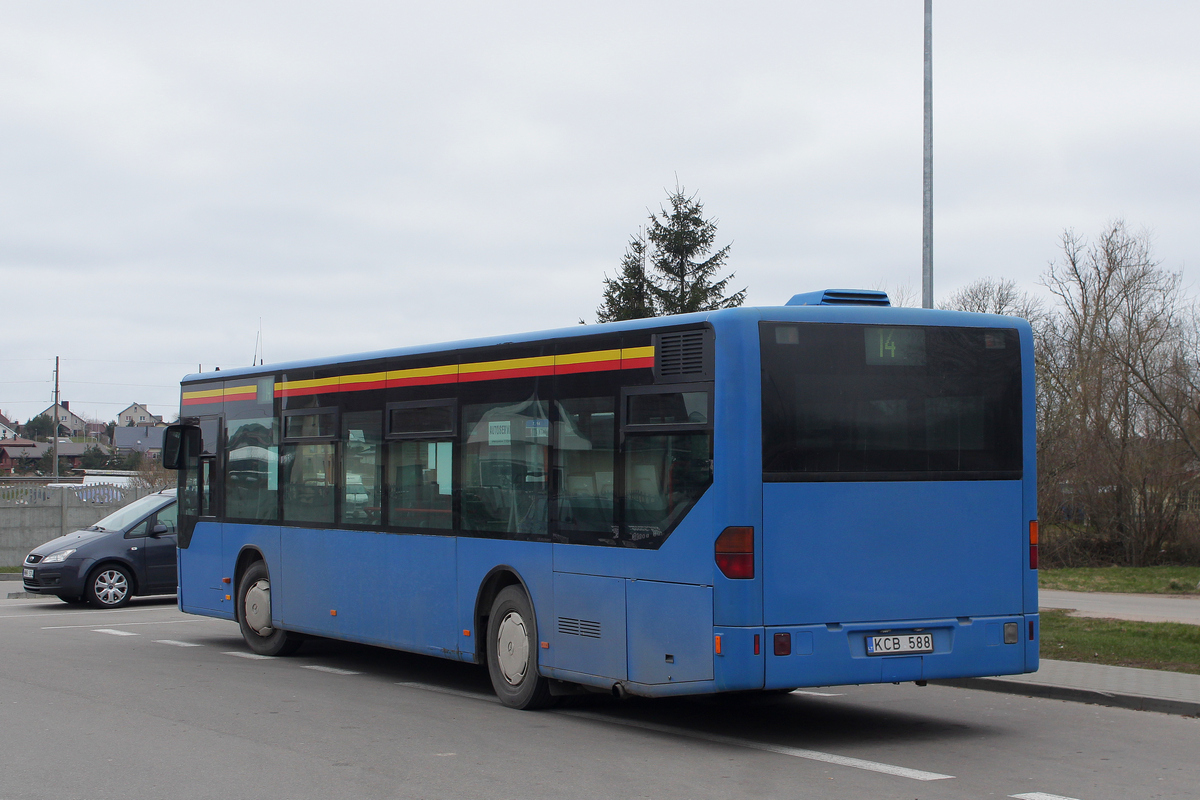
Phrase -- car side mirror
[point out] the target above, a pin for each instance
(159, 529)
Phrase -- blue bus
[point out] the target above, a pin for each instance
(833, 491)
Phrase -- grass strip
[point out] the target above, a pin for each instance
(1170, 646)
(1139, 580)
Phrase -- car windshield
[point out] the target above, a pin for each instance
(124, 517)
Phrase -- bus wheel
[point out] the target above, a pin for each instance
(512, 652)
(254, 615)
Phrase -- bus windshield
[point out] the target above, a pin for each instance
(847, 402)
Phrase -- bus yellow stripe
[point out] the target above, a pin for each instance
(587, 358)
(512, 363)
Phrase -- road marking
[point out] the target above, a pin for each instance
(331, 670)
(457, 693)
(162, 622)
(1040, 796)
(817, 694)
(243, 654)
(114, 632)
(177, 643)
(93, 612)
(795, 752)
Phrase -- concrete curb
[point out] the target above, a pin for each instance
(1135, 702)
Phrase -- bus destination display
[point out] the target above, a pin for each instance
(902, 347)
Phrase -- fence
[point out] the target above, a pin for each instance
(33, 515)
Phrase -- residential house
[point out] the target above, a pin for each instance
(20, 454)
(8, 428)
(69, 422)
(138, 414)
(142, 439)
(98, 431)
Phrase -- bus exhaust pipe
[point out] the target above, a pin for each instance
(619, 691)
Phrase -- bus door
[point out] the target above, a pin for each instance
(200, 569)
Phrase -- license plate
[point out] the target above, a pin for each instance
(27, 573)
(893, 643)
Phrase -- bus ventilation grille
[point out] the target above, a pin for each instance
(681, 353)
(841, 297)
(579, 627)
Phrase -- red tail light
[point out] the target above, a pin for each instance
(734, 552)
(1033, 544)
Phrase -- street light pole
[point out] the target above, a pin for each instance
(927, 222)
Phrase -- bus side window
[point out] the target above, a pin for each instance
(307, 470)
(584, 456)
(667, 456)
(420, 463)
(420, 484)
(362, 468)
(308, 482)
(505, 466)
(252, 468)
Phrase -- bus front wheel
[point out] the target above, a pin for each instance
(254, 615)
(512, 652)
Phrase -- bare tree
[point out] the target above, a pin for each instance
(153, 476)
(996, 296)
(1117, 438)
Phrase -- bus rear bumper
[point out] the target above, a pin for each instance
(825, 655)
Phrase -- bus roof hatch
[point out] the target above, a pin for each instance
(841, 297)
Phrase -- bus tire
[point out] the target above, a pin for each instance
(254, 615)
(512, 647)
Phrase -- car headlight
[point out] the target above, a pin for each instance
(58, 555)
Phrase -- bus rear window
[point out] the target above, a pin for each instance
(869, 402)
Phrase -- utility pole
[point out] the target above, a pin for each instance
(54, 430)
(927, 222)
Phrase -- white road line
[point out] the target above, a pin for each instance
(469, 695)
(1040, 796)
(795, 752)
(114, 632)
(92, 613)
(817, 694)
(162, 622)
(331, 670)
(177, 643)
(243, 654)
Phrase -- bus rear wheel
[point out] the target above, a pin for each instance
(512, 652)
(254, 615)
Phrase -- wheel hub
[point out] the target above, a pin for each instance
(111, 587)
(257, 610)
(512, 648)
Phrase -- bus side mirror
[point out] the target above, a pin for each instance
(177, 441)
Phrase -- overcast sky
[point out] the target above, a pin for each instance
(368, 175)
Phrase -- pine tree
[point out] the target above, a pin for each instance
(680, 237)
(681, 276)
(631, 294)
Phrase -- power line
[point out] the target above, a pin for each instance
(136, 385)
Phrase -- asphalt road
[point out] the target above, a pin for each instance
(150, 703)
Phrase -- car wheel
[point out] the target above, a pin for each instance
(110, 586)
(512, 647)
(254, 615)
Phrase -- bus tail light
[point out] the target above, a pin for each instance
(1033, 544)
(735, 553)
